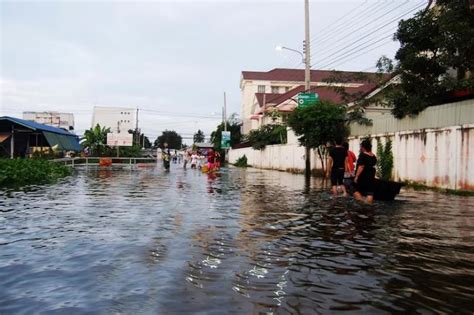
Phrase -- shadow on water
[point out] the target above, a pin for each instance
(241, 241)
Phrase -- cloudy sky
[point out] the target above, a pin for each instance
(174, 59)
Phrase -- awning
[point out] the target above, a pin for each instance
(63, 142)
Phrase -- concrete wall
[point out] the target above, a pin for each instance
(438, 157)
(283, 157)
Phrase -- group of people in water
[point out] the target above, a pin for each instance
(348, 173)
(205, 160)
(351, 174)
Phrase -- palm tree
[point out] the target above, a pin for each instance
(95, 139)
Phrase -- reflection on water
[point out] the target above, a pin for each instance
(243, 241)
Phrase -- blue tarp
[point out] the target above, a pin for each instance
(55, 136)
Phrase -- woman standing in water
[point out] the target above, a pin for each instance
(166, 156)
(365, 173)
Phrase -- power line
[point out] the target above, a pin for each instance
(337, 47)
(377, 29)
(363, 53)
(335, 29)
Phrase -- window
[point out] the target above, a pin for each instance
(275, 89)
(287, 89)
(261, 89)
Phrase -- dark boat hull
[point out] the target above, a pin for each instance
(385, 190)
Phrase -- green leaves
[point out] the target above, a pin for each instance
(319, 124)
(20, 172)
(267, 135)
(435, 57)
(385, 159)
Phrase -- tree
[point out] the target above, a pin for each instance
(198, 136)
(171, 137)
(233, 125)
(317, 125)
(95, 139)
(435, 44)
(267, 135)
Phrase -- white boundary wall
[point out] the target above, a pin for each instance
(439, 157)
(283, 157)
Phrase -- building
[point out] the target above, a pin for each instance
(277, 89)
(118, 119)
(21, 138)
(54, 119)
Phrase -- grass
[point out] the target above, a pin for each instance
(21, 172)
(422, 187)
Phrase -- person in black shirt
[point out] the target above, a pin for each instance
(365, 173)
(337, 165)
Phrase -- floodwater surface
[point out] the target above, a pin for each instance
(245, 242)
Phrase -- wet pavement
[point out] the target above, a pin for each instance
(245, 241)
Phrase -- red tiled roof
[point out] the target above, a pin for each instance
(325, 93)
(296, 75)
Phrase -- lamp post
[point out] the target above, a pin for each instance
(280, 48)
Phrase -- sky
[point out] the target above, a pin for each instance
(174, 59)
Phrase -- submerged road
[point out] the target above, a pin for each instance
(246, 241)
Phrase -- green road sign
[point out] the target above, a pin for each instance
(307, 99)
(225, 139)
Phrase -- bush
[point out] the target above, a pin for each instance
(241, 161)
(384, 160)
(19, 172)
(267, 135)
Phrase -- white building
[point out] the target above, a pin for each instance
(278, 89)
(54, 119)
(118, 119)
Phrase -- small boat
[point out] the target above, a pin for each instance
(386, 190)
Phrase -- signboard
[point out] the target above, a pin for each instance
(307, 99)
(225, 139)
(120, 139)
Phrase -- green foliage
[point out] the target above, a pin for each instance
(433, 43)
(267, 135)
(319, 124)
(384, 159)
(20, 172)
(171, 137)
(199, 136)
(241, 161)
(233, 125)
(95, 139)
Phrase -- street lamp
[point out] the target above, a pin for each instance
(280, 48)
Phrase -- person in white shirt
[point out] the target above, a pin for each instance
(194, 160)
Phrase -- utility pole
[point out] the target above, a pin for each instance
(137, 134)
(307, 48)
(307, 77)
(225, 113)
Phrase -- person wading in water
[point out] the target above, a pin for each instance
(364, 179)
(337, 165)
(166, 156)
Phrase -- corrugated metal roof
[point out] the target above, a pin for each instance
(36, 126)
(447, 115)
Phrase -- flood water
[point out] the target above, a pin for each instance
(245, 242)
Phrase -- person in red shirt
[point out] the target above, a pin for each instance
(351, 159)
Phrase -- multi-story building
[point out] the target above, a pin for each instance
(55, 119)
(277, 89)
(118, 119)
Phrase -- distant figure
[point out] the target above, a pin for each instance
(351, 159)
(186, 159)
(337, 166)
(194, 160)
(166, 156)
(365, 173)
(211, 157)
